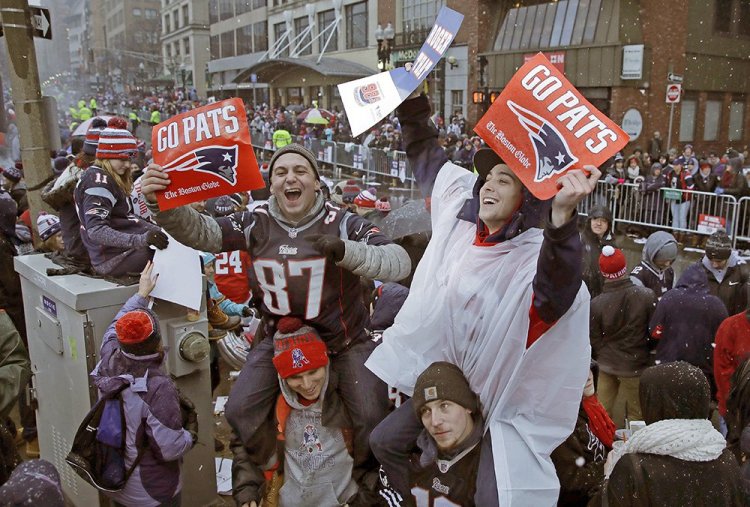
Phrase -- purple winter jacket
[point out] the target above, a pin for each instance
(152, 416)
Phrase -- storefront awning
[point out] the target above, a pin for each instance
(270, 71)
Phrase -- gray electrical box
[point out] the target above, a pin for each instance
(66, 317)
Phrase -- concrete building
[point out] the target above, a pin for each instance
(620, 54)
(185, 43)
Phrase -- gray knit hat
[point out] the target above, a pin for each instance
(443, 381)
(719, 246)
(299, 150)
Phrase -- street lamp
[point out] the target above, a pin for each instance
(385, 41)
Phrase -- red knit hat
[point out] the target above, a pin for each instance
(612, 263)
(138, 332)
(297, 348)
(117, 122)
(116, 144)
(366, 198)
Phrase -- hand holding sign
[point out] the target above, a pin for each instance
(574, 186)
(542, 127)
(206, 152)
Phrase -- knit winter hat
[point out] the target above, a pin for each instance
(117, 122)
(223, 206)
(13, 174)
(92, 136)
(443, 381)
(59, 165)
(208, 258)
(383, 204)
(718, 246)
(345, 192)
(48, 225)
(299, 150)
(116, 144)
(666, 253)
(138, 332)
(612, 263)
(366, 198)
(8, 213)
(297, 348)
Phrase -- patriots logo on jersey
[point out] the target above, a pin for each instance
(550, 148)
(311, 440)
(220, 161)
(299, 359)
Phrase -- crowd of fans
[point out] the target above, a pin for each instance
(485, 334)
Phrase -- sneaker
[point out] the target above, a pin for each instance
(32, 448)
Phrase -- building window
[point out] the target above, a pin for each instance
(151, 13)
(185, 16)
(166, 23)
(420, 14)
(326, 19)
(712, 120)
(300, 25)
(279, 32)
(242, 6)
(245, 40)
(257, 4)
(549, 25)
(687, 120)
(732, 17)
(736, 118)
(213, 11)
(356, 25)
(176, 49)
(176, 17)
(226, 9)
(227, 44)
(137, 12)
(186, 44)
(215, 47)
(457, 100)
(260, 36)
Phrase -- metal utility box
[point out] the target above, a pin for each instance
(66, 317)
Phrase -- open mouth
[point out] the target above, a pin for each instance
(489, 200)
(292, 194)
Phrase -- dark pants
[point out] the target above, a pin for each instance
(365, 396)
(394, 440)
(176, 501)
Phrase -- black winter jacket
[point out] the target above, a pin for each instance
(734, 288)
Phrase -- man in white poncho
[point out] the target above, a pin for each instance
(500, 297)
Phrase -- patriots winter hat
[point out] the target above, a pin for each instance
(718, 246)
(8, 213)
(138, 332)
(383, 204)
(612, 263)
(92, 140)
(366, 198)
(223, 206)
(345, 192)
(117, 122)
(116, 144)
(13, 174)
(48, 225)
(297, 348)
(59, 165)
(443, 381)
(299, 150)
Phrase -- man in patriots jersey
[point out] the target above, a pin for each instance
(307, 257)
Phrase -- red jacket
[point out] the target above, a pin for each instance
(732, 347)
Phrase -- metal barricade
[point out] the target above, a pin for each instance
(741, 226)
(600, 196)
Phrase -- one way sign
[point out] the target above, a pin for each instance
(41, 23)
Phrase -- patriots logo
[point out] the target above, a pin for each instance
(220, 161)
(299, 359)
(552, 153)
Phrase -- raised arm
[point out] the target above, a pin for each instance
(425, 155)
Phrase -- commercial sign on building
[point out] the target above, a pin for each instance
(632, 62)
(556, 58)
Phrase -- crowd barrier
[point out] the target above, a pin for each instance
(703, 212)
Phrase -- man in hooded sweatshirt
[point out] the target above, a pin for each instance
(686, 321)
(678, 459)
(728, 275)
(595, 235)
(499, 295)
(655, 270)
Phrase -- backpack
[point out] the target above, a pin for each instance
(98, 452)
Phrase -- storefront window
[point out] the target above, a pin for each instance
(687, 120)
(736, 118)
(712, 120)
(356, 25)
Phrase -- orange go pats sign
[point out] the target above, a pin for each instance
(207, 153)
(541, 126)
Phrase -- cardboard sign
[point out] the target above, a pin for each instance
(370, 99)
(541, 126)
(709, 224)
(207, 152)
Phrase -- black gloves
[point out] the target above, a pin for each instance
(329, 245)
(189, 415)
(157, 239)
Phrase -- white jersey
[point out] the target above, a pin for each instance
(470, 305)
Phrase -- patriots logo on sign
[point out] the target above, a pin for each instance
(298, 358)
(220, 161)
(552, 153)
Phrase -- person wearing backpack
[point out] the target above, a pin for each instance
(132, 352)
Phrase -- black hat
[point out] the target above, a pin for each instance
(718, 246)
(484, 160)
(443, 381)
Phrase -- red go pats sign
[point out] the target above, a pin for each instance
(541, 126)
(207, 153)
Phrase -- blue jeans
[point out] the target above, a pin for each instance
(394, 440)
(680, 214)
(254, 395)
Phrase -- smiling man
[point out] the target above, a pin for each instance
(307, 256)
(498, 293)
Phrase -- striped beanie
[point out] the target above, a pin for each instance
(366, 198)
(116, 144)
(92, 140)
(48, 225)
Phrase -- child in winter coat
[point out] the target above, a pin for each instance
(312, 448)
(132, 352)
